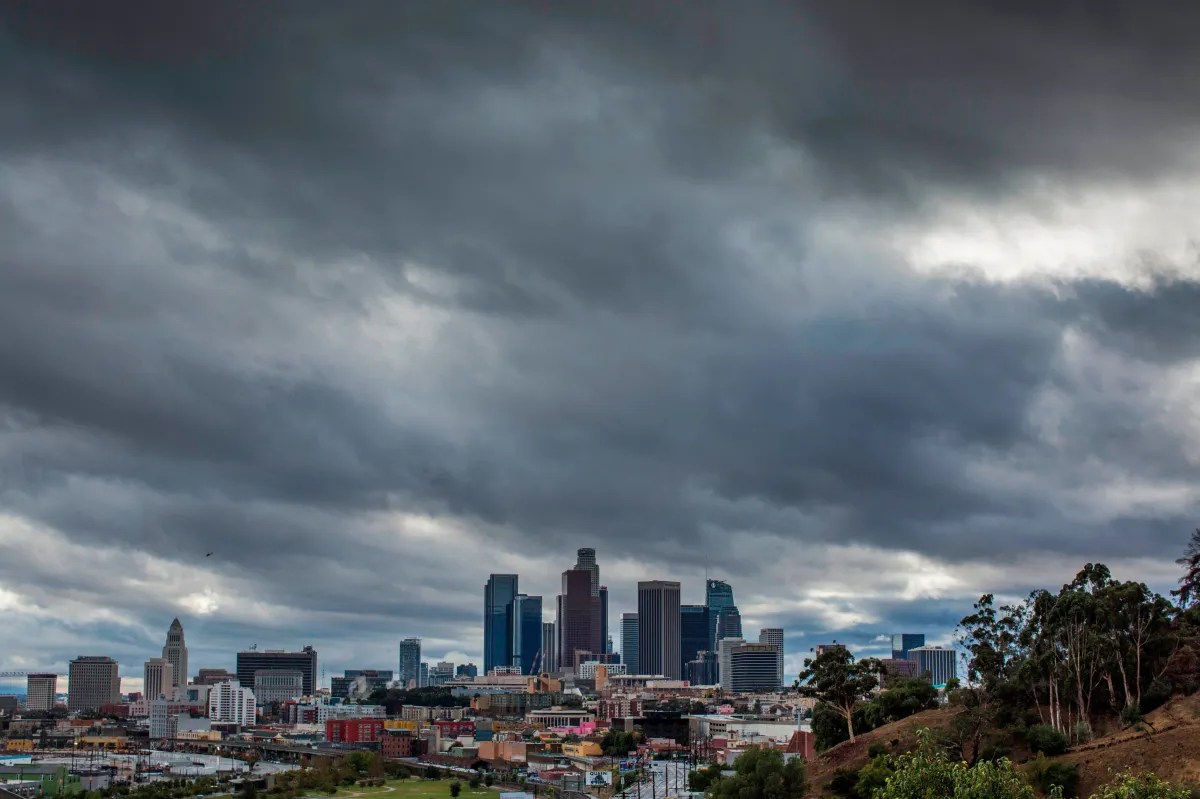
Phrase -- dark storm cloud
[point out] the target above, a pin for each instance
(561, 273)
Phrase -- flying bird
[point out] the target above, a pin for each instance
(209, 555)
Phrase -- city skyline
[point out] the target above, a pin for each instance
(312, 317)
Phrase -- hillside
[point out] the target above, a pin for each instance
(1168, 744)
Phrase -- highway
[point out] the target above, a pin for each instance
(663, 779)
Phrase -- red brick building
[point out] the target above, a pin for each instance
(400, 743)
(453, 729)
(353, 731)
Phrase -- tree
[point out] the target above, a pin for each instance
(762, 774)
(1142, 786)
(1189, 584)
(835, 678)
(455, 789)
(929, 772)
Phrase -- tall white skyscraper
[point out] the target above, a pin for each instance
(231, 703)
(774, 637)
(175, 652)
(157, 680)
(725, 649)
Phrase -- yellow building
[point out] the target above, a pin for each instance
(401, 724)
(19, 744)
(103, 741)
(583, 749)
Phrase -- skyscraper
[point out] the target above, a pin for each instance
(40, 690)
(722, 612)
(423, 675)
(231, 703)
(629, 643)
(497, 625)
(752, 668)
(902, 643)
(175, 652)
(586, 559)
(157, 679)
(658, 628)
(408, 671)
(940, 663)
(604, 642)
(92, 682)
(694, 632)
(578, 618)
(526, 618)
(549, 660)
(251, 661)
(774, 637)
(724, 665)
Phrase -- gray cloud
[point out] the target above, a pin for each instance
(349, 297)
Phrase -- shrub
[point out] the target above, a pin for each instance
(1142, 786)
(455, 788)
(1131, 714)
(489, 780)
(844, 782)
(474, 782)
(1156, 694)
(876, 749)
(1045, 739)
(1046, 774)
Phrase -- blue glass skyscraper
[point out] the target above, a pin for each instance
(498, 595)
(526, 619)
(724, 619)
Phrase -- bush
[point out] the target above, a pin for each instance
(474, 782)
(1156, 694)
(844, 783)
(1045, 775)
(1131, 714)
(489, 780)
(1045, 739)
(455, 788)
(1143, 786)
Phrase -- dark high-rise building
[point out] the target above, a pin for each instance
(549, 659)
(408, 671)
(658, 628)
(729, 625)
(694, 631)
(304, 661)
(363, 682)
(902, 643)
(701, 670)
(629, 643)
(497, 624)
(466, 670)
(578, 617)
(526, 618)
(604, 619)
(586, 559)
(754, 668)
(722, 612)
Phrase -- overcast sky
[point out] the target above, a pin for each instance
(868, 308)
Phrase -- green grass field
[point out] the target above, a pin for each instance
(410, 789)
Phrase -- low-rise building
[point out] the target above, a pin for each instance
(353, 731)
(560, 717)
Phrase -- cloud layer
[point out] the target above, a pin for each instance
(370, 302)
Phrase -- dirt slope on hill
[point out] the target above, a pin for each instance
(1168, 744)
(900, 736)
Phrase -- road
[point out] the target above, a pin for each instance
(663, 779)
